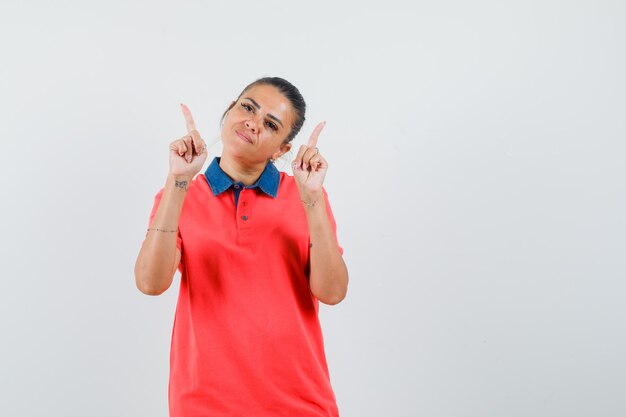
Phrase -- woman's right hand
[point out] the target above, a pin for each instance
(187, 154)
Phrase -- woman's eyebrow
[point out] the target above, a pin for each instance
(271, 116)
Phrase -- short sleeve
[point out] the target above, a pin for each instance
(157, 200)
(332, 219)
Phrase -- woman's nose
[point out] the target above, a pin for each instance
(251, 125)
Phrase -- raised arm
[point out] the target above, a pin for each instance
(328, 277)
(159, 255)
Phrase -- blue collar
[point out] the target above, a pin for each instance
(219, 182)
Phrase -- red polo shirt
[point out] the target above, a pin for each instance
(247, 339)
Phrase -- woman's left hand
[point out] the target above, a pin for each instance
(309, 168)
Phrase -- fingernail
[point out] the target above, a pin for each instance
(188, 159)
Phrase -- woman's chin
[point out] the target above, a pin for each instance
(233, 148)
(242, 157)
(234, 151)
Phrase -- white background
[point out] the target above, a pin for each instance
(477, 175)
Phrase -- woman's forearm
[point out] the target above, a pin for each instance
(329, 276)
(158, 258)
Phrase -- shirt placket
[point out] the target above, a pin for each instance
(244, 214)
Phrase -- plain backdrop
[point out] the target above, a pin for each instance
(477, 175)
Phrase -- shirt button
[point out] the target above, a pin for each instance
(244, 203)
(244, 217)
(237, 186)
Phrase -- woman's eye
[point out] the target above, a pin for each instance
(250, 109)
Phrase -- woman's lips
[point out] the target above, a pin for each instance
(244, 137)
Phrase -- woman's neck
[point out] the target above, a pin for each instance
(240, 171)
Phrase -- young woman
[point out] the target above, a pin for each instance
(257, 251)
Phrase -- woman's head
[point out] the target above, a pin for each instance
(290, 92)
(269, 112)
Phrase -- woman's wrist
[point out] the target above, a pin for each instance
(311, 199)
(178, 181)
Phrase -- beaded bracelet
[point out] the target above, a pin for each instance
(161, 230)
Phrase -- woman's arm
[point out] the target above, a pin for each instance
(159, 257)
(329, 275)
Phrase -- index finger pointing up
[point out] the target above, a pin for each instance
(316, 132)
(188, 119)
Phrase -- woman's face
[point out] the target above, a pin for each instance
(256, 127)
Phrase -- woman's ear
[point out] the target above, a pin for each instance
(284, 148)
